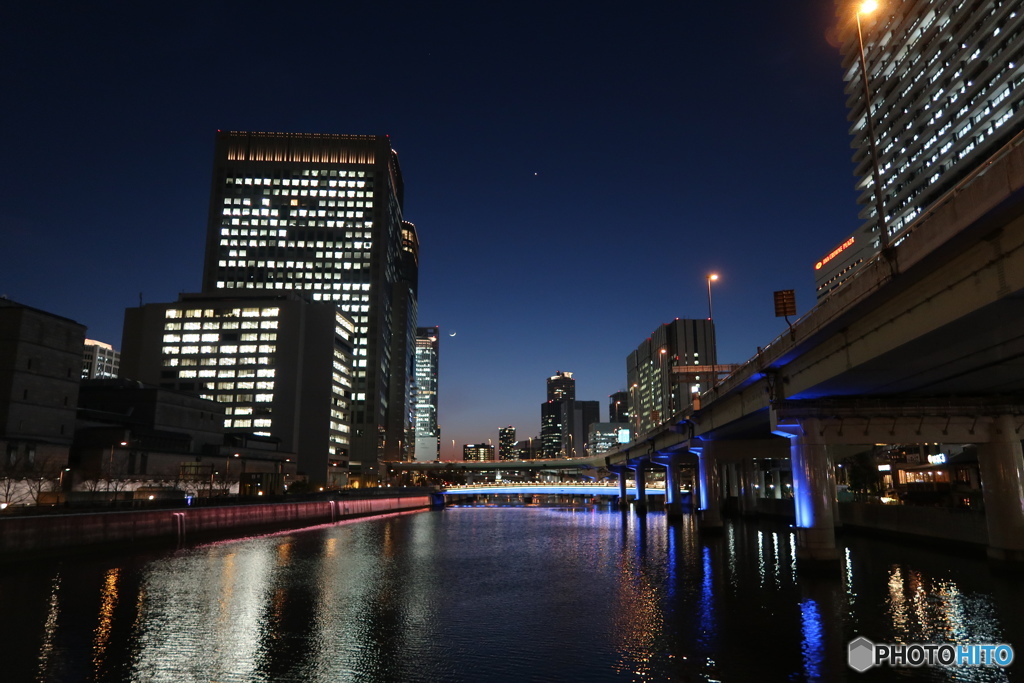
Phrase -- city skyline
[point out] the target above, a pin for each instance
(624, 158)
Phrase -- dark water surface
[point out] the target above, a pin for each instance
(499, 594)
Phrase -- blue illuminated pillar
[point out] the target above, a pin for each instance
(1002, 486)
(710, 488)
(673, 502)
(814, 490)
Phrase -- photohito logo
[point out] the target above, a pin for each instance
(862, 654)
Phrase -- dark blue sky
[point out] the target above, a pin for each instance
(574, 169)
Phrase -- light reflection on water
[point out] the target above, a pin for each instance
(498, 594)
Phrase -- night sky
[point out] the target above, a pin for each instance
(574, 169)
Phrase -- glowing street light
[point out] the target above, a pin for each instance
(868, 7)
(711, 278)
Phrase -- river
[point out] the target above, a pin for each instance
(500, 594)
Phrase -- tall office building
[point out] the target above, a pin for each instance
(656, 392)
(507, 443)
(560, 387)
(944, 89)
(428, 435)
(99, 360)
(323, 214)
(280, 365)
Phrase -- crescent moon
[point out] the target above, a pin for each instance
(452, 334)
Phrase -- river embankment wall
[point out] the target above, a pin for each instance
(48, 535)
(937, 524)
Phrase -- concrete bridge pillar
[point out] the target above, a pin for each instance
(710, 489)
(775, 488)
(673, 502)
(748, 494)
(694, 477)
(641, 487)
(814, 493)
(623, 496)
(1002, 486)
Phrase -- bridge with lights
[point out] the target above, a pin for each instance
(925, 344)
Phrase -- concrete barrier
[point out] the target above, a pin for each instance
(54, 534)
(924, 523)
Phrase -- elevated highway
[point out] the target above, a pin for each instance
(925, 344)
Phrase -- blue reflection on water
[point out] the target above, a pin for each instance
(813, 647)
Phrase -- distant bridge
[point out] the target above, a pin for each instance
(562, 489)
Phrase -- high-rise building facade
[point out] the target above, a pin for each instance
(428, 435)
(944, 90)
(656, 392)
(99, 360)
(322, 214)
(507, 443)
(560, 387)
(280, 365)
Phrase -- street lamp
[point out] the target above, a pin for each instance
(110, 464)
(868, 7)
(712, 277)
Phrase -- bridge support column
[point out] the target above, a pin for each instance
(775, 488)
(673, 502)
(814, 492)
(710, 489)
(623, 496)
(641, 488)
(748, 494)
(1002, 486)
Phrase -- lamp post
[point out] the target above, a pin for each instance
(712, 277)
(867, 7)
(110, 464)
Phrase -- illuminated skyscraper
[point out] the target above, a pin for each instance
(561, 387)
(507, 443)
(323, 214)
(428, 435)
(944, 83)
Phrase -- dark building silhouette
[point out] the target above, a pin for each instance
(577, 417)
(618, 407)
(40, 370)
